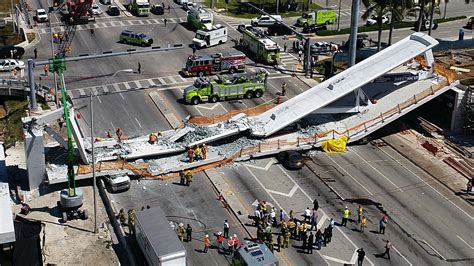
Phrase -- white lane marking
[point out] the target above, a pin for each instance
(289, 194)
(161, 80)
(344, 170)
(208, 108)
(384, 176)
(127, 86)
(138, 123)
(123, 98)
(172, 79)
(439, 254)
(424, 182)
(98, 98)
(465, 242)
(267, 166)
(113, 127)
(225, 109)
(401, 255)
(152, 83)
(138, 85)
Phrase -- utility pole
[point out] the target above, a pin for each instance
(55, 83)
(93, 164)
(13, 14)
(354, 25)
(339, 15)
(278, 5)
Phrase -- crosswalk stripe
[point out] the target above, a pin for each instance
(162, 81)
(117, 88)
(81, 92)
(137, 84)
(151, 82)
(172, 79)
(156, 21)
(127, 86)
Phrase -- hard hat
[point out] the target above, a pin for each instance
(207, 235)
(181, 224)
(220, 233)
(235, 235)
(346, 207)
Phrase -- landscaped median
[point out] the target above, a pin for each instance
(398, 25)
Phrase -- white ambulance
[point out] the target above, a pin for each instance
(210, 37)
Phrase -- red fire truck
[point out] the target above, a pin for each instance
(217, 63)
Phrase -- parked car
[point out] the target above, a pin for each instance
(425, 25)
(41, 15)
(290, 159)
(113, 11)
(314, 28)
(279, 29)
(243, 27)
(323, 47)
(118, 182)
(157, 9)
(106, 2)
(265, 20)
(188, 5)
(10, 51)
(470, 24)
(136, 38)
(10, 64)
(373, 21)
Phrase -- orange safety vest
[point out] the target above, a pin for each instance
(230, 243)
(207, 243)
(236, 241)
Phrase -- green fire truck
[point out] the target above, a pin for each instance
(260, 46)
(243, 85)
(318, 17)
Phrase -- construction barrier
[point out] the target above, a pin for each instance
(206, 120)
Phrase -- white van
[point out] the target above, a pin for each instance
(265, 20)
(210, 37)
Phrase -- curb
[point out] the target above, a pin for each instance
(115, 224)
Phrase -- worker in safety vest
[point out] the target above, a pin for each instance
(131, 221)
(182, 178)
(359, 214)
(181, 232)
(190, 154)
(230, 245)
(204, 151)
(287, 239)
(189, 177)
(207, 243)
(363, 224)
(236, 242)
(197, 153)
(345, 216)
(220, 241)
(122, 217)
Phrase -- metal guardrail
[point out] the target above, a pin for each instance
(16, 87)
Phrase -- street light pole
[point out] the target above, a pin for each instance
(52, 56)
(91, 106)
(93, 164)
(339, 15)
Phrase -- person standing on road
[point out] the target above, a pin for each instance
(314, 220)
(169, 8)
(363, 224)
(193, 46)
(190, 154)
(181, 232)
(230, 244)
(163, 5)
(469, 186)
(119, 134)
(207, 243)
(45, 68)
(382, 226)
(257, 217)
(226, 229)
(204, 151)
(287, 239)
(283, 89)
(319, 239)
(109, 133)
(282, 216)
(220, 241)
(139, 68)
(310, 243)
(328, 235)
(345, 216)
(131, 221)
(315, 204)
(122, 217)
(360, 256)
(36, 53)
(388, 246)
(359, 214)
(307, 215)
(189, 177)
(189, 231)
(165, 20)
(284, 47)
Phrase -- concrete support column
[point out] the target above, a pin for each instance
(457, 117)
(35, 159)
(354, 30)
(31, 82)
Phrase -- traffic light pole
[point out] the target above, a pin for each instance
(32, 64)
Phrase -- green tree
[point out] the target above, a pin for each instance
(377, 9)
(398, 9)
(423, 8)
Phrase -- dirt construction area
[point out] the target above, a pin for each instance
(66, 243)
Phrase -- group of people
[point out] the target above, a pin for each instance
(186, 177)
(118, 132)
(131, 219)
(362, 220)
(197, 153)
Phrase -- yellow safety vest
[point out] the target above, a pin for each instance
(345, 214)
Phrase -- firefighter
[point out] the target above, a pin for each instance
(189, 231)
(181, 232)
(152, 138)
(287, 239)
(190, 154)
(197, 153)
(122, 217)
(131, 221)
(182, 177)
(279, 242)
(204, 151)
(119, 133)
(109, 133)
(189, 177)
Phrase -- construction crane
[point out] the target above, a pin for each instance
(76, 12)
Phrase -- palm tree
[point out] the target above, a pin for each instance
(398, 9)
(378, 9)
(424, 9)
